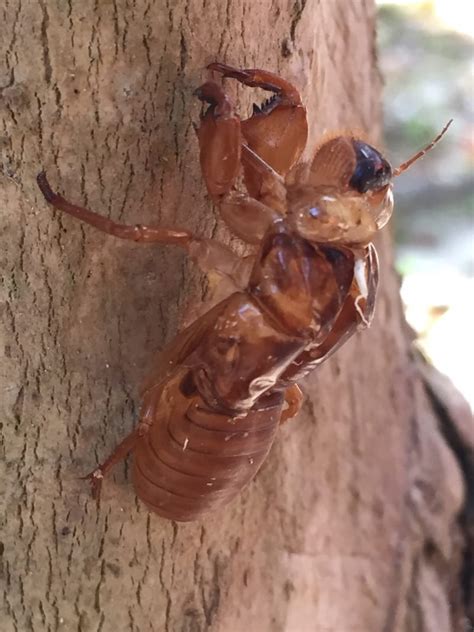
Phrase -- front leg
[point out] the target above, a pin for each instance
(219, 141)
(278, 130)
(221, 152)
(222, 149)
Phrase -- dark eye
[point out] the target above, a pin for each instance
(372, 171)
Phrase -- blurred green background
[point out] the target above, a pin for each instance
(426, 55)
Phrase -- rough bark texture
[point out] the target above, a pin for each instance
(352, 524)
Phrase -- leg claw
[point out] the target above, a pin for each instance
(95, 479)
(213, 94)
(230, 71)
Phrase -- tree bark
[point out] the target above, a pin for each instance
(353, 522)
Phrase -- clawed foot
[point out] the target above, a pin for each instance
(257, 78)
(95, 479)
(249, 77)
(213, 94)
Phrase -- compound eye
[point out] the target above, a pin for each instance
(372, 171)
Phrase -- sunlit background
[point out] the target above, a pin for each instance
(426, 54)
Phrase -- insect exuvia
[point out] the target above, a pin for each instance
(211, 410)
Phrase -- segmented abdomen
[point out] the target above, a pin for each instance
(193, 459)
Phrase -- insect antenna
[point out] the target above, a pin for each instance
(408, 163)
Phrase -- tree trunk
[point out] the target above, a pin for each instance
(352, 524)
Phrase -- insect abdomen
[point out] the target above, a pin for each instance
(193, 459)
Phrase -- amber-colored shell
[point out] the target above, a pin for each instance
(194, 459)
(333, 163)
(213, 402)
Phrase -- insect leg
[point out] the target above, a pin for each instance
(208, 254)
(277, 131)
(128, 444)
(219, 140)
(138, 232)
(257, 78)
(294, 399)
(121, 451)
(221, 151)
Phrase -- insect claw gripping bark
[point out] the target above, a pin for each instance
(95, 479)
(212, 406)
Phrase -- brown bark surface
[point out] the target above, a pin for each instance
(352, 524)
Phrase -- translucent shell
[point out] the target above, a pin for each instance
(333, 163)
(214, 400)
(325, 214)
